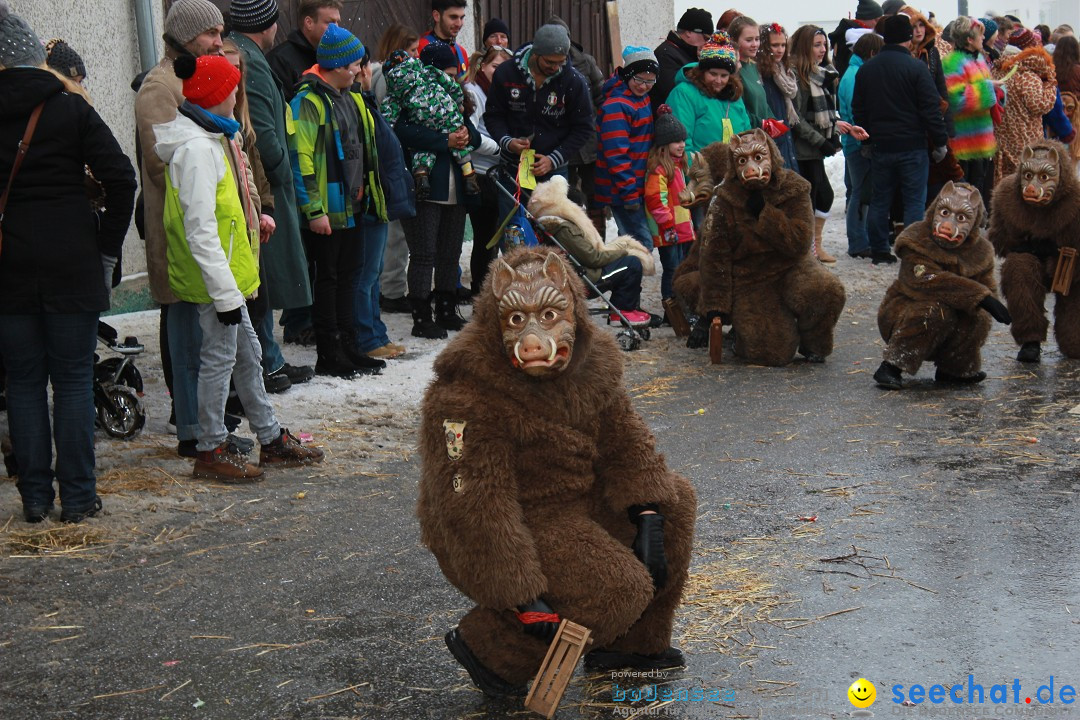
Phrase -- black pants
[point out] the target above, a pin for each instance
(336, 258)
(980, 173)
(821, 192)
(485, 221)
(434, 237)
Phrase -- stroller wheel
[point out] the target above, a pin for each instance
(644, 333)
(128, 418)
(628, 341)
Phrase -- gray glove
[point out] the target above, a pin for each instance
(938, 154)
(108, 265)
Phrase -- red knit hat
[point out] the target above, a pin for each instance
(1023, 39)
(208, 79)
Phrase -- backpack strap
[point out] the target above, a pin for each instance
(24, 146)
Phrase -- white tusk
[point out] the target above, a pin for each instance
(551, 355)
(956, 233)
(517, 346)
(1042, 192)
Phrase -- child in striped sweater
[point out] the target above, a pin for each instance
(665, 195)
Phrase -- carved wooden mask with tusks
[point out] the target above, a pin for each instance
(957, 214)
(1039, 173)
(536, 314)
(752, 159)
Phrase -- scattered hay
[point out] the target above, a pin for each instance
(141, 478)
(57, 541)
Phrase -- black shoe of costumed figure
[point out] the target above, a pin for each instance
(1030, 352)
(879, 258)
(611, 659)
(490, 683)
(888, 376)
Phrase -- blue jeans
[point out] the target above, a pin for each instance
(670, 257)
(185, 337)
(634, 224)
(858, 173)
(907, 170)
(37, 350)
(272, 359)
(231, 351)
(370, 330)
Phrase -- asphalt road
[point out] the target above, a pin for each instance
(947, 517)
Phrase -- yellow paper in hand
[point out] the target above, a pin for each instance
(525, 177)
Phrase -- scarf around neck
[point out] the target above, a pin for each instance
(786, 82)
(209, 121)
(822, 106)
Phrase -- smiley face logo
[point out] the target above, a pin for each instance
(862, 693)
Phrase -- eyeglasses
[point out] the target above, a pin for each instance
(647, 83)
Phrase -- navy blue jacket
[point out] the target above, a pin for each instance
(394, 175)
(416, 138)
(896, 101)
(559, 115)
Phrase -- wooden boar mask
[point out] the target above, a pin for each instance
(536, 314)
(751, 159)
(1039, 174)
(957, 215)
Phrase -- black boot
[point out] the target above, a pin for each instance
(423, 185)
(331, 357)
(423, 324)
(1030, 352)
(363, 364)
(888, 377)
(446, 313)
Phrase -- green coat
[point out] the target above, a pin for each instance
(283, 259)
(702, 116)
(757, 104)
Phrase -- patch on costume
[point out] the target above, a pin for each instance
(459, 484)
(455, 438)
(920, 270)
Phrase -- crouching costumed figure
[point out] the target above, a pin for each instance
(934, 309)
(753, 264)
(542, 495)
(1035, 226)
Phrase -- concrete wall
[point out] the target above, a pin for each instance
(647, 22)
(102, 32)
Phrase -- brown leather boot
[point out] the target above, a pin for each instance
(819, 252)
(287, 451)
(226, 465)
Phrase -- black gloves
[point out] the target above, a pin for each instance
(231, 317)
(997, 311)
(649, 546)
(755, 202)
(539, 620)
(699, 334)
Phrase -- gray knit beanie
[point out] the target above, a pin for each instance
(187, 19)
(666, 127)
(252, 16)
(551, 40)
(18, 43)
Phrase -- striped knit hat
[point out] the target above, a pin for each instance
(718, 53)
(338, 48)
(252, 16)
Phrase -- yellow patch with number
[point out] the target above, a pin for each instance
(459, 484)
(455, 438)
(920, 270)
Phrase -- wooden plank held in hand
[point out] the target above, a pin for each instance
(557, 669)
(716, 341)
(1063, 273)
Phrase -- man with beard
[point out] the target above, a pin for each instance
(447, 18)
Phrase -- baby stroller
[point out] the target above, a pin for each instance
(521, 228)
(118, 386)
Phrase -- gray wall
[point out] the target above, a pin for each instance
(103, 33)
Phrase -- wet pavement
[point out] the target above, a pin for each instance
(943, 545)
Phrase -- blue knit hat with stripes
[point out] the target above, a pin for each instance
(338, 48)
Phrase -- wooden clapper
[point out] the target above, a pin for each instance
(557, 669)
(1063, 273)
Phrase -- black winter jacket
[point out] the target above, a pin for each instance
(672, 54)
(558, 115)
(50, 261)
(289, 60)
(895, 100)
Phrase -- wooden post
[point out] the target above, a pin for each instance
(614, 33)
(716, 341)
(557, 669)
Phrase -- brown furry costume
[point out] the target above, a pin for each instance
(931, 311)
(1029, 236)
(759, 271)
(536, 502)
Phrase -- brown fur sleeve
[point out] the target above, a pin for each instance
(788, 226)
(923, 277)
(715, 258)
(470, 515)
(629, 470)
